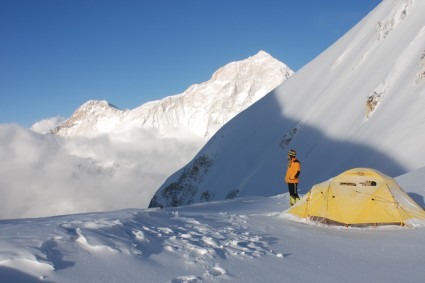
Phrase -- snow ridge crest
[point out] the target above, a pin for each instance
(201, 110)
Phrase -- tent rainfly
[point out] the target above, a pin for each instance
(358, 197)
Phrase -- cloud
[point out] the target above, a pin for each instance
(44, 126)
(45, 175)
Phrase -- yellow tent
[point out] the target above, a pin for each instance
(359, 196)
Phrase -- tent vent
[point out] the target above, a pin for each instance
(348, 184)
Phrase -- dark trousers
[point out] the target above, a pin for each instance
(293, 190)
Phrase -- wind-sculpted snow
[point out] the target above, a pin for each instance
(199, 241)
(241, 240)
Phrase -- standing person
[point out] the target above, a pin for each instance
(291, 178)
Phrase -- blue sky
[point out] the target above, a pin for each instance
(56, 54)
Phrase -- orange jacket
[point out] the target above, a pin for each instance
(293, 171)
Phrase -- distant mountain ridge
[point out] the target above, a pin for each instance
(201, 110)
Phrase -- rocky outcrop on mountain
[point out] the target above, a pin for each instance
(185, 188)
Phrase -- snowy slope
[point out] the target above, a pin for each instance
(242, 240)
(200, 110)
(358, 104)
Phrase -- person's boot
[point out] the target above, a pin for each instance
(291, 200)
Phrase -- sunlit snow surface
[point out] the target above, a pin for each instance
(242, 240)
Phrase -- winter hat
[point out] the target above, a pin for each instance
(292, 153)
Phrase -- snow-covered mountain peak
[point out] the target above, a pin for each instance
(206, 107)
(201, 110)
(96, 104)
(97, 116)
(254, 65)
